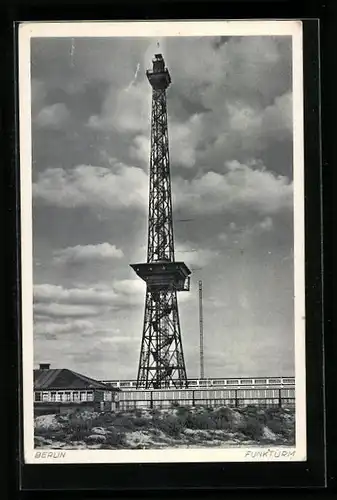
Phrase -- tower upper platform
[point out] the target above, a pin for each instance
(159, 76)
(163, 275)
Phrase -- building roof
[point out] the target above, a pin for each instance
(64, 379)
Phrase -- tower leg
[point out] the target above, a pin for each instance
(161, 361)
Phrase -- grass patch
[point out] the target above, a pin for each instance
(248, 422)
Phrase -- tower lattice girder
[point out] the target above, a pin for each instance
(161, 358)
(160, 234)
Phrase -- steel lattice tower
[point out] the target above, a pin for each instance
(161, 361)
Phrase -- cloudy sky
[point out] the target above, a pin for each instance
(230, 129)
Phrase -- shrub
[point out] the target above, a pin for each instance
(79, 434)
(37, 443)
(107, 418)
(291, 435)
(125, 423)
(223, 418)
(141, 422)
(276, 426)
(58, 434)
(42, 431)
(115, 439)
(252, 428)
(199, 421)
(169, 425)
(182, 411)
(77, 424)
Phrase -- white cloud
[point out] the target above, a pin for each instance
(194, 256)
(58, 301)
(82, 296)
(130, 287)
(243, 235)
(89, 186)
(243, 118)
(223, 237)
(254, 67)
(48, 328)
(140, 149)
(38, 95)
(82, 254)
(265, 123)
(52, 116)
(184, 138)
(245, 129)
(245, 87)
(266, 224)
(242, 187)
(125, 110)
(56, 310)
(262, 226)
(277, 119)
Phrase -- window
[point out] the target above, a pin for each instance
(76, 396)
(59, 396)
(218, 382)
(83, 396)
(53, 396)
(260, 381)
(68, 396)
(45, 396)
(107, 396)
(288, 380)
(232, 382)
(274, 381)
(246, 381)
(38, 396)
(114, 383)
(90, 396)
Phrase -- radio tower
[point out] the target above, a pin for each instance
(161, 361)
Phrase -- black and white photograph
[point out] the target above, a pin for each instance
(162, 241)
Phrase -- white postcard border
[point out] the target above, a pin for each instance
(159, 30)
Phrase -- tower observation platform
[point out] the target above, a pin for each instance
(161, 275)
(161, 362)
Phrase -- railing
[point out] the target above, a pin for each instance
(237, 398)
(232, 403)
(216, 382)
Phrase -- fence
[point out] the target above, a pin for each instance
(236, 398)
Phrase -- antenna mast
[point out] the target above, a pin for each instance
(201, 326)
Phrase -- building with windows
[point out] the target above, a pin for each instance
(58, 390)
